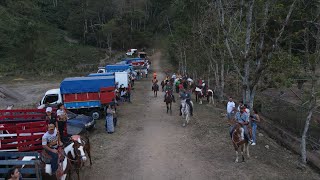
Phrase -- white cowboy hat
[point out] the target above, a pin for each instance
(190, 80)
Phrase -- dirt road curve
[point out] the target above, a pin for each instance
(149, 144)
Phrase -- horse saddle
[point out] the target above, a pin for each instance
(45, 157)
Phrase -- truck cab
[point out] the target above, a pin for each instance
(52, 97)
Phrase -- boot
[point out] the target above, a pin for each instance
(180, 110)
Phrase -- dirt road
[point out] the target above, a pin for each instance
(150, 144)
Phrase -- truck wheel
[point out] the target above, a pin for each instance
(96, 115)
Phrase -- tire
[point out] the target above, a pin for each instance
(95, 114)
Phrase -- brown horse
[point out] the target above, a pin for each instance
(239, 142)
(168, 98)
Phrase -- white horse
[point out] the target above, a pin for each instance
(200, 95)
(210, 96)
(185, 110)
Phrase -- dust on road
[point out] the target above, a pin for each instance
(150, 144)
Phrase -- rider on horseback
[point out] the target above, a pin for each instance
(186, 96)
(242, 118)
(50, 141)
(168, 89)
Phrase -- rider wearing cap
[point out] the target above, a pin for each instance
(186, 96)
(242, 118)
(50, 141)
(168, 89)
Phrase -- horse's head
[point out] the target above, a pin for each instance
(78, 148)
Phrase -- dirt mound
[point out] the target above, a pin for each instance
(9, 94)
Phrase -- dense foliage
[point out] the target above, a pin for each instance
(53, 36)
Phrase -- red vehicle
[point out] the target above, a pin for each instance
(22, 129)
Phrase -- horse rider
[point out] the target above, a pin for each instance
(168, 89)
(174, 76)
(154, 80)
(154, 75)
(50, 142)
(186, 96)
(242, 118)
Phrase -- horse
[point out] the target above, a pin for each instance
(163, 83)
(168, 99)
(155, 89)
(199, 94)
(239, 142)
(210, 96)
(78, 156)
(72, 152)
(185, 111)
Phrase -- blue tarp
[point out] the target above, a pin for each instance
(130, 60)
(117, 68)
(100, 74)
(86, 84)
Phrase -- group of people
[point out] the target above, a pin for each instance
(248, 121)
(52, 139)
(183, 86)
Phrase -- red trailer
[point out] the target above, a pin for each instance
(22, 129)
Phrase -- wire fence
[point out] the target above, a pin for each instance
(290, 116)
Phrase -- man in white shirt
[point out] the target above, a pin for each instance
(230, 108)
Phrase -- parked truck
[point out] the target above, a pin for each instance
(83, 95)
(121, 78)
(116, 68)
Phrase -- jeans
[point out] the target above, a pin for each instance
(246, 133)
(53, 161)
(230, 115)
(254, 131)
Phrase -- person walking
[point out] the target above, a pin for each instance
(254, 119)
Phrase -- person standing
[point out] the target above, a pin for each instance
(255, 118)
(109, 120)
(115, 118)
(50, 117)
(230, 108)
(146, 72)
(62, 118)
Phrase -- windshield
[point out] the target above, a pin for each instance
(50, 98)
(71, 115)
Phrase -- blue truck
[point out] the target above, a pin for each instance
(84, 95)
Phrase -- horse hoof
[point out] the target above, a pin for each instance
(236, 161)
(183, 125)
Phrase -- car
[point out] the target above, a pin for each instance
(80, 120)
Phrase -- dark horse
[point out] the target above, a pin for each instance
(155, 89)
(163, 83)
(168, 98)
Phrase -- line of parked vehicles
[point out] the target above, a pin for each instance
(85, 99)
